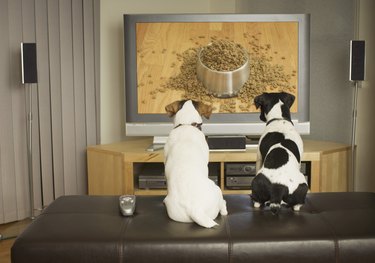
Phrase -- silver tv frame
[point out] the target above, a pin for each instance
(218, 124)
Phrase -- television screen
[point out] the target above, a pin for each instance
(221, 60)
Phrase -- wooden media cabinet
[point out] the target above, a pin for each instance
(113, 168)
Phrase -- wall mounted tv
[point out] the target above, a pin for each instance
(161, 55)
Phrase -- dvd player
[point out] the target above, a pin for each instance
(239, 175)
(160, 182)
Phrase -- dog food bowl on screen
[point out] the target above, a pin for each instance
(223, 84)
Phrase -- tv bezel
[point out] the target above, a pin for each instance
(219, 123)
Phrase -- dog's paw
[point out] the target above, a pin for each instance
(297, 207)
(224, 211)
(256, 204)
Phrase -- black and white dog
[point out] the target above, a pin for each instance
(192, 196)
(278, 178)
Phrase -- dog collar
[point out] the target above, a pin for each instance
(195, 124)
(278, 119)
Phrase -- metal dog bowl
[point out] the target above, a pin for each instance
(222, 84)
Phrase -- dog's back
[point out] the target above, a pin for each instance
(187, 142)
(285, 134)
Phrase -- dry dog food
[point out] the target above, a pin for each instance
(223, 55)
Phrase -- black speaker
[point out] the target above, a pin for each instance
(28, 63)
(357, 60)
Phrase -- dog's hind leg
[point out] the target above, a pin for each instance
(297, 199)
(260, 190)
(278, 192)
(199, 217)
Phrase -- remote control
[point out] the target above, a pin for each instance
(127, 204)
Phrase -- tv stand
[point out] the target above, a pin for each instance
(113, 169)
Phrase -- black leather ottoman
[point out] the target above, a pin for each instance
(331, 227)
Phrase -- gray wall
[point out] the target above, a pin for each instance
(64, 102)
(332, 27)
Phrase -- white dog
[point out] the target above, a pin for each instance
(192, 196)
(278, 178)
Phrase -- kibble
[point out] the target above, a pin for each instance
(223, 55)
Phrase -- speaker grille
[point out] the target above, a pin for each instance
(28, 62)
(357, 60)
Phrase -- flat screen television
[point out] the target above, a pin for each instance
(161, 55)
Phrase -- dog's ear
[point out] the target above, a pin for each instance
(259, 100)
(204, 110)
(287, 99)
(173, 108)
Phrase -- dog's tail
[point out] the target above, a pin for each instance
(199, 217)
(275, 208)
(278, 193)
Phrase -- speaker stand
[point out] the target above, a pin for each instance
(354, 127)
(30, 148)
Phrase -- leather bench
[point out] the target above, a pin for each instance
(331, 227)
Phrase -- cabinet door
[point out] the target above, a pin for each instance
(105, 173)
(335, 171)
